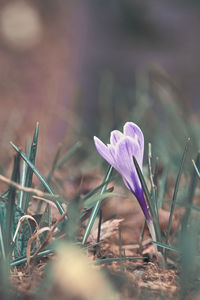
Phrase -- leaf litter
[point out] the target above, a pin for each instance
(120, 214)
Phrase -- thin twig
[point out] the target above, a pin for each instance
(19, 187)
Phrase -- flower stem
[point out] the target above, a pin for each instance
(152, 230)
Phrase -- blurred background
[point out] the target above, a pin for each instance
(83, 68)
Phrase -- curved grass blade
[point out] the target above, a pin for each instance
(57, 164)
(37, 173)
(176, 191)
(68, 155)
(96, 207)
(89, 203)
(92, 192)
(49, 176)
(40, 177)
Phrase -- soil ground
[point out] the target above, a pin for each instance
(120, 236)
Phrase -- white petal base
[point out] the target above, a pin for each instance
(152, 230)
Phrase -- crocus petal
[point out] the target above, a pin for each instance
(132, 130)
(140, 197)
(104, 151)
(115, 136)
(119, 153)
(125, 149)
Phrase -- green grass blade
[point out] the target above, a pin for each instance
(49, 176)
(68, 155)
(2, 246)
(186, 205)
(23, 260)
(33, 149)
(29, 172)
(149, 200)
(22, 183)
(166, 246)
(10, 206)
(54, 198)
(112, 259)
(176, 191)
(35, 170)
(46, 219)
(162, 188)
(96, 207)
(142, 233)
(145, 189)
(92, 192)
(153, 187)
(196, 169)
(73, 223)
(5, 194)
(40, 177)
(89, 203)
(195, 207)
(191, 194)
(5, 286)
(92, 246)
(23, 177)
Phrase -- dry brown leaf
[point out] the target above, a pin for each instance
(30, 241)
(19, 226)
(47, 240)
(108, 228)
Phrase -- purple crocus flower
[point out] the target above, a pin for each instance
(119, 154)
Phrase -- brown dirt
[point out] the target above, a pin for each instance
(136, 277)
